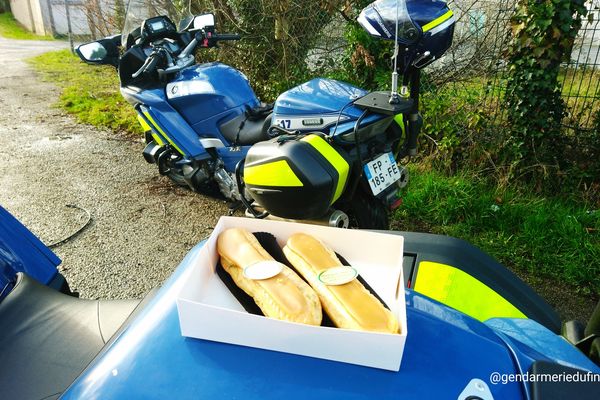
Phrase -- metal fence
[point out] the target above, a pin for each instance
(581, 77)
(478, 61)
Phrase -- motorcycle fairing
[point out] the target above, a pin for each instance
(443, 344)
(158, 133)
(203, 91)
(444, 351)
(158, 113)
(480, 266)
(527, 335)
(201, 100)
(463, 292)
(147, 128)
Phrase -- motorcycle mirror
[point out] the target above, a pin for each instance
(103, 51)
(92, 52)
(204, 21)
(186, 23)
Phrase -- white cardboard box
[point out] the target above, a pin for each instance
(208, 310)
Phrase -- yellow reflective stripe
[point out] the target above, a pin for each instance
(144, 124)
(461, 291)
(342, 167)
(147, 128)
(438, 21)
(278, 173)
(158, 128)
(157, 139)
(399, 118)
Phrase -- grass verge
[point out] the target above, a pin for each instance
(11, 29)
(542, 236)
(89, 92)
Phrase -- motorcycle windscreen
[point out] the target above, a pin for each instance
(379, 19)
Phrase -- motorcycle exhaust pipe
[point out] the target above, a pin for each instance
(334, 218)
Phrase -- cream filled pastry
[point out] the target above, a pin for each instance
(284, 295)
(349, 305)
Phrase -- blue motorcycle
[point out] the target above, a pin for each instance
(324, 152)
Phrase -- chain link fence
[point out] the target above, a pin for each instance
(288, 41)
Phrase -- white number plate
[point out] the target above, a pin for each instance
(382, 172)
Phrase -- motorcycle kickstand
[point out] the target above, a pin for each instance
(234, 206)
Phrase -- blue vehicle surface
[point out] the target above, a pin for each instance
(135, 350)
(445, 350)
(21, 251)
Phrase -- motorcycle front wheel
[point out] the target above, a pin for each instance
(177, 178)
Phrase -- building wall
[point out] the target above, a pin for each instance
(21, 10)
(47, 17)
(79, 23)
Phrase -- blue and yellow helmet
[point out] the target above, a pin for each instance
(424, 25)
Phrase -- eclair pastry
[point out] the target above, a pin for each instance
(284, 296)
(349, 305)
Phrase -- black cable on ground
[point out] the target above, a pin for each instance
(78, 231)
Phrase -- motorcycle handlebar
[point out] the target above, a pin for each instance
(227, 36)
(151, 62)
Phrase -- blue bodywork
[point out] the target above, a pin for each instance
(220, 94)
(217, 93)
(319, 96)
(445, 349)
(21, 251)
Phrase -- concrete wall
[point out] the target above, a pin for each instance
(29, 14)
(47, 17)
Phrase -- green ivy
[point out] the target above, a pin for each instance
(543, 33)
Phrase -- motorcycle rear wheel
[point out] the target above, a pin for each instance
(367, 212)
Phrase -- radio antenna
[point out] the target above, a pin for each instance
(394, 97)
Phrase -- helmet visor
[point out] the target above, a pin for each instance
(379, 19)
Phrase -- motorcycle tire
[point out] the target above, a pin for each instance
(210, 188)
(367, 212)
(177, 178)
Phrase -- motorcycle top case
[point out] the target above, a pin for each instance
(298, 178)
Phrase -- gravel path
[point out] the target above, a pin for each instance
(142, 225)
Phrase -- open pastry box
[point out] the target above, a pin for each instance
(208, 310)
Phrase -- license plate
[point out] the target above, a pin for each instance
(382, 172)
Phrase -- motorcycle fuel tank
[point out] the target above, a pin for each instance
(316, 105)
(204, 91)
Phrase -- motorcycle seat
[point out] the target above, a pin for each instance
(47, 338)
(250, 130)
